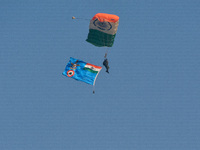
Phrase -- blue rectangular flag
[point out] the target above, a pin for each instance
(82, 71)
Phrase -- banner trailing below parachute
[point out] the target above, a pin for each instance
(82, 71)
(103, 29)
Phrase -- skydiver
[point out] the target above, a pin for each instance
(105, 63)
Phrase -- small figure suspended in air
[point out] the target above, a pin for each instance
(105, 63)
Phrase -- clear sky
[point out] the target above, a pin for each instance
(149, 101)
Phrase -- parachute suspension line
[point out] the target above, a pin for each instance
(80, 18)
(93, 89)
(94, 82)
(106, 53)
(106, 48)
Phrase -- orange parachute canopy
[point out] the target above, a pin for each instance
(102, 17)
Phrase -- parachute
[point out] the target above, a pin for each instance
(103, 29)
(102, 32)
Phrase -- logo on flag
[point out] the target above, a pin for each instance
(70, 73)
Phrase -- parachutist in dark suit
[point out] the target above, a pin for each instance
(105, 63)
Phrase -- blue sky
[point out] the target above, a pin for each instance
(149, 101)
